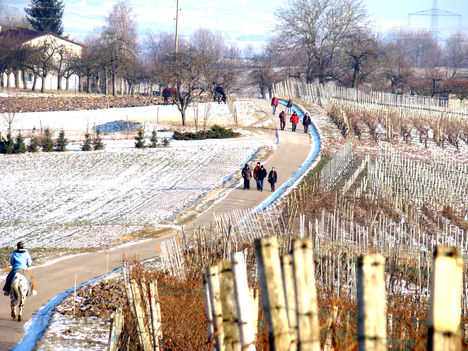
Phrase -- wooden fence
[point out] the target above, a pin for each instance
(317, 93)
(289, 296)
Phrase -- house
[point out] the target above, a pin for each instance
(50, 58)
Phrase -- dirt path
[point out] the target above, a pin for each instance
(54, 279)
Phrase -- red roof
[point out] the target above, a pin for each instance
(23, 35)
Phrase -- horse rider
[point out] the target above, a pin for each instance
(20, 261)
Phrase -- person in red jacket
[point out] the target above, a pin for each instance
(294, 121)
(274, 104)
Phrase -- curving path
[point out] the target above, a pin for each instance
(53, 280)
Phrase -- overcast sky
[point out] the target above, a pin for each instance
(243, 21)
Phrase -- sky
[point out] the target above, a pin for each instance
(241, 21)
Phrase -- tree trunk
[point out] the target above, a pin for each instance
(67, 83)
(59, 82)
(43, 84)
(34, 83)
(114, 85)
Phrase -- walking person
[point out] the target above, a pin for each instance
(247, 175)
(261, 175)
(289, 105)
(255, 171)
(20, 261)
(272, 178)
(294, 121)
(274, 104)
(282, 118)
(306, 122)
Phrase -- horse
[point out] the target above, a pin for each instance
(18, 294)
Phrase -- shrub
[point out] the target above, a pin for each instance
(20, 147)
(216, 132)
(140, 139)
(47, 143)
(86, 146)
(154, 139)
(165, 142)
(62, 142)
(97, 142)
(33, 145)
(7, 145)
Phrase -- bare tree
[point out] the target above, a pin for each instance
(264, 74)
(456, 53)
(119, 42)
(42, 60)
(361, 51)
(189, 72)
(317, 29)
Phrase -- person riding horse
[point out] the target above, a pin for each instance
(20, 261)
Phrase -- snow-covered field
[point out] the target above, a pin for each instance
(80, 121)
(87, 199)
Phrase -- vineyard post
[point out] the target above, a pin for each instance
(274, 305)
(212, 274)
(306, 295)
(446, 291)
(290, 296)
(115, 329)
(155, 309)
(372, 320)
(209, 312)
(253, 294)
(243, 302)
(143, 333)
(228, 306)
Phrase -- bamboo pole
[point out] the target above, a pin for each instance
(274, 304)
(444, 314)
(372, 320)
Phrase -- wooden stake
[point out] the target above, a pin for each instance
(115, 329)
(243, 302)
(274, 304)
(290, 295)
(228, 306)
(444, 314)
(372, 305)
(308, 329)
(212, 274)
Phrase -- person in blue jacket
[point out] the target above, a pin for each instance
(20, 261)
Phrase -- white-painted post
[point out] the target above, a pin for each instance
(243, 302)
(254, 297)
(274, 304)
(445, 310)
(308, 329)
(372, 304)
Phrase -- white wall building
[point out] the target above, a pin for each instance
(60, 50)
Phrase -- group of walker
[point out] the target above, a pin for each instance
(259, 174)
(294, 118)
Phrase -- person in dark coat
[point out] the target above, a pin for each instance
(261, 175)
(294, 121)
(274, 104)
(257, 167)
(306, 122)
(272, 178)
(282, 117)
(289, 105)
(247, 175)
